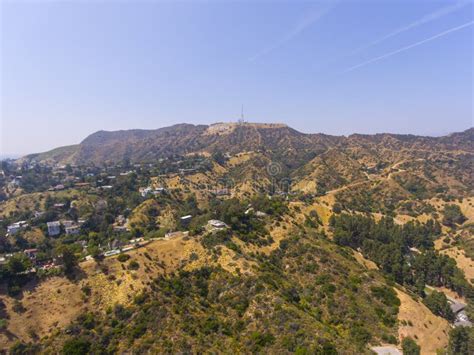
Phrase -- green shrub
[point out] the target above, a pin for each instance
(438, 304)
(261, 340)
(410, 347)
(123, 257)
(453, 215)
(133, 265)
(76, 346)
(386, 295)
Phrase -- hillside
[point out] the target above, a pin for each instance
(323, 244)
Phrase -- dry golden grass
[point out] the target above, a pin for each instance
(56, 301)
(467, 208)
(462, 261)
(403, 218)
(428, 330)
(245, 189)
(466, 205)
(240, 159)
(306, 186)
(139, 216)
(36, 200)
(368, 264)
(51, 305)
(35, 235)
(199, 178)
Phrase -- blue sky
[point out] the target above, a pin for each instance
(72, 68)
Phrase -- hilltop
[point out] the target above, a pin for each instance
(384, 168)
(148, 145)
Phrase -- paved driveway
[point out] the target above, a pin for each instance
(386, 350)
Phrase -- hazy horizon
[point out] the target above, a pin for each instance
(70, 69)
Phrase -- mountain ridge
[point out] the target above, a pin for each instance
(139, 145)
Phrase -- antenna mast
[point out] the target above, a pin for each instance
(241, 119)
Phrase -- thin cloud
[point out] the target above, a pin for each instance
(403, 49)
(425, 19)
(311, 18)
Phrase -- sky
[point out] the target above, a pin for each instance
(70, 68)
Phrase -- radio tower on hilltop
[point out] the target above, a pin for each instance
(241, 119)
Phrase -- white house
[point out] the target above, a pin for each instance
(15, 227)
(144, 191)
(215, 224)
(54, 228)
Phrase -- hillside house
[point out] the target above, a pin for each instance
(126, 173)
(16, 227)
(187, 171)
(16, 181)
(31, 253)
(120, 229)
(186, 219)
(145, 191)
(158, 191)
(459, 310)
(221, 192)
(72, 230)
(38, 214)
(67, 223)
(120, 220)
(54, 228)
(215, 224)
(13, 228)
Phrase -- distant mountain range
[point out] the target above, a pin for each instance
(278, 140)
(9, 156)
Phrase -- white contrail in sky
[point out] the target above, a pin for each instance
(305, 22)
(425, 19)
(376, 59)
